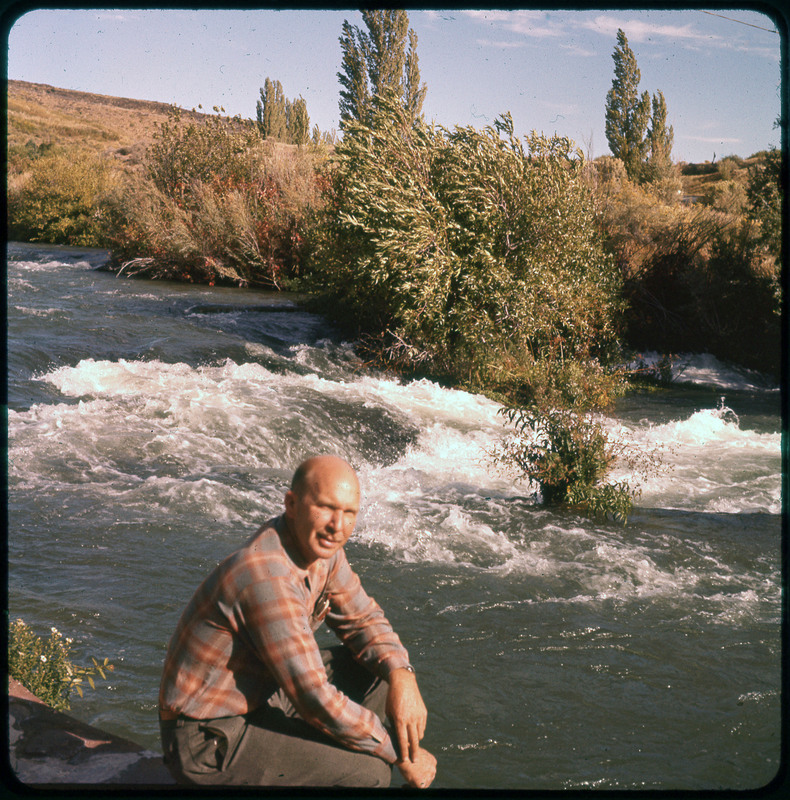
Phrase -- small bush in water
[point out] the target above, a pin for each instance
(568, 455)
(45, 667)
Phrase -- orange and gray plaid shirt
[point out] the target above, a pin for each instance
(249, 630)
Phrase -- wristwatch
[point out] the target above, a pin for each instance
(409, 668)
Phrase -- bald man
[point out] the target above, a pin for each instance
(248, 698)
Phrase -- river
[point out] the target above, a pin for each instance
(153, 426)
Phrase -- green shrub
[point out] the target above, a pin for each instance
(568, 456)
(45, 667)
(460, 251)
(766, 198)
(728, 196)
(58, 201)
(705, 168)
(728, 167)
(187, 154)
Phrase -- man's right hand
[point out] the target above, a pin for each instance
(420, 771)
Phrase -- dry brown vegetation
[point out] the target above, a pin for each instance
(117, 126)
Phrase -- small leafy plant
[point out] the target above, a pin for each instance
(45, 666)
(567, 455)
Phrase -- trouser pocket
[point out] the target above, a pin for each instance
(211, 745)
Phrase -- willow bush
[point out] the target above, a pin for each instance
(473, 257)
(465, 255)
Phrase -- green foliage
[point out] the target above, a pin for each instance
(646, 152)
(728, 196)
(728, 166)
(697, 278)
(186, 154)
(298, 122)
(271, 112)
(465, 254)
(58, 200)
(705, 168)
(323, 139)
(766, 198)
(659, 143)
(45, 666)
(413, 91)
(376, 63)
(355, 94)
(281, 119)
(567, 455)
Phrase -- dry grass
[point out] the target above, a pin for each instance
(115, 126)
(110, 126)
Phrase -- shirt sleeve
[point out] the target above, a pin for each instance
(271, 609)
(360, 624)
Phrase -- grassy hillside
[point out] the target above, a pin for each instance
(45, 115)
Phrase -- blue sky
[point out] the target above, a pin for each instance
(719, 71)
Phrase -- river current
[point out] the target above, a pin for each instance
(153, 426)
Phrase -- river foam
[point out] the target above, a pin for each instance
(223, 438)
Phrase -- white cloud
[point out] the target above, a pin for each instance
(499, 44)
(524, 23)
(578, 50)
(640, 31)
(712, 139)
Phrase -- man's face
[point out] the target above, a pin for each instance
(322, 517)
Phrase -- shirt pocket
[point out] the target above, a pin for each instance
(320, 610)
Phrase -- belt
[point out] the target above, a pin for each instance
(167, 714)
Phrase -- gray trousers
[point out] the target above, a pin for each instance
(273, 745)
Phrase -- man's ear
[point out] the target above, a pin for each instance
(290, 504)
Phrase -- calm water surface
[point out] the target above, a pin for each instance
(153, 426)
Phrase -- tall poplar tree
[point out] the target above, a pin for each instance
(659, 140)
(627, 113)
(298, 123)
(376, 61)
(271, 110)
(413, 92)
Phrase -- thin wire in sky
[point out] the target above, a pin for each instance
(740, 22)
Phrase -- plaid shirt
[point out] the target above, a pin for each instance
(248, 630)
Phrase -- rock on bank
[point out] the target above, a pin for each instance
(50, 749)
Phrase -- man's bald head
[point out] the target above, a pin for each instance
(322, 467)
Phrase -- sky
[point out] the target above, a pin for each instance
(719, 69)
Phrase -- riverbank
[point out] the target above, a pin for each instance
(48, 748)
